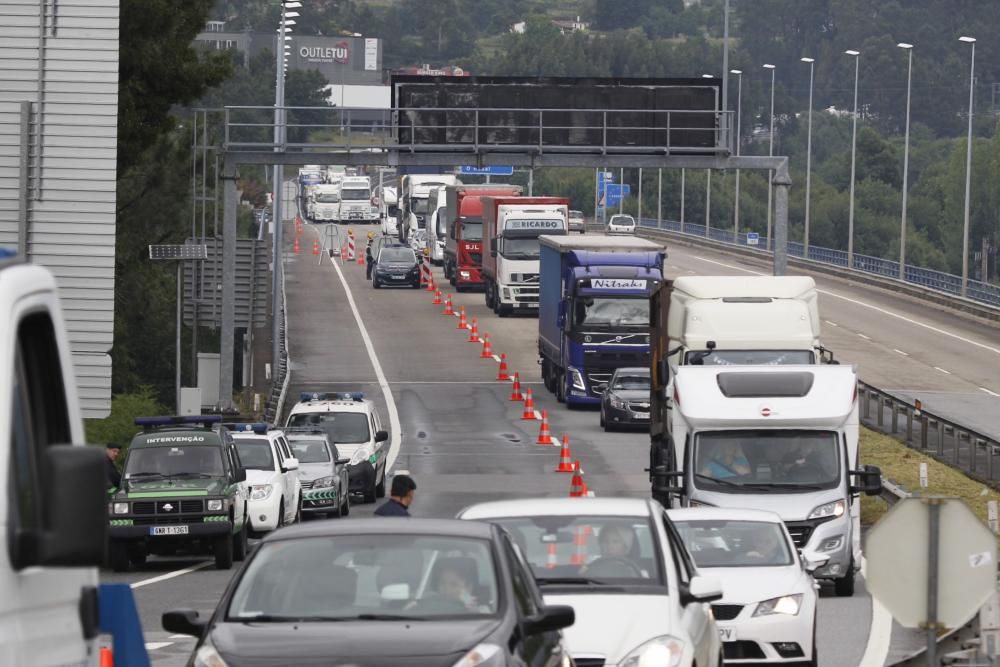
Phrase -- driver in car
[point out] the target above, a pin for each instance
(615, 559)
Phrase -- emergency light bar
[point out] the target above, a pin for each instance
(308, 396)
(152, 422)
(260, 428)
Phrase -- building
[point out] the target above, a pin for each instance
(58, 166)
(427, 70)
(571, 26)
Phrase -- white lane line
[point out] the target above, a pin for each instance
(170, 575)
(938, 368)
(390, 403)
(538, 415)
(857, 302)
(182, 637)
(861, 335)
(152, 646)
(905, 354)
(496, 358)
(832, 324)
(991, 393)
(880, 634)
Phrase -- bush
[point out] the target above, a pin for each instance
(120, 426)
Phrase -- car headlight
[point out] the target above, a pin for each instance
(577, 378)
(829, 510)
(121, 508)
(617, 403)
(786, 604)
(215, 505)
(665, 651)
(261, 492)
(483, 655)
(324, 482)
(207, 656)
(360, 454)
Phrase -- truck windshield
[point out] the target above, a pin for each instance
(592, 311)
(764, 461)
(418, 205)
(523, 247)
(472, 230)
(358, 194)
(327, 198)
(749, 357)
(146, 463)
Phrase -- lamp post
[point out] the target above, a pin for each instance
(854, 146)
(739, 108)
(708, 182)
(809, 136)
(770, 153)
(906, 162)
(968, 168)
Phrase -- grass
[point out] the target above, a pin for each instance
(901, 465)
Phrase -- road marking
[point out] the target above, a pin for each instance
(538, 415)
(182, 637)
(938, 368)
(832, 324)
(152, 646)
(390, 403)
(861, 335)
(896, 349)
(496, 358)
(991, 393)
(170, 575)
(880, 634)
(879, 309)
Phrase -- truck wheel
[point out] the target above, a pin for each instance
(118, 558)
(844, 587)
(223, 548)
(560, 387)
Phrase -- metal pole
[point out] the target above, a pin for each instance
(809, 136)
(597, 191)
(177, 341)
(708, 201)
(276, 198)
(934, 525)
(968, 177)
(781, 225)
(736, 203)
(227, 330)
(639, 214)
(906, 171)
(854, 151)
(621, 191)
(770, 153)
(682, 199)
(725, 73)
(659, 197)
(531, 182)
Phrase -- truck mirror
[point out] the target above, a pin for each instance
(561, 317)
(493, 251)
(868, 480)
(662, 478)
(662, 372)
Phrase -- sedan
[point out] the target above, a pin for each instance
(626, 400)
(768, 612)
(621, 565)
(322, 474)
(381, 592)
(396, 265)
(621, 224)
(576, 222)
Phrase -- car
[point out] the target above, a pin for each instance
(576, 222)
(619, 562)
(354, 427)
(272, 475)
(625, 402)
(768, 611)
(621, 224)
(322, 473)
(404, 592)
(396, 265)
(183, 485)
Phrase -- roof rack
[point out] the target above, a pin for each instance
(310, 396)
(260, 428)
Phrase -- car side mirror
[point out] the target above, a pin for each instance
(291, 463)
(868, 480)
(395, 592)
(549, 619)
(381, 436)
(240, 474)
(343, 462)
(812, 561)
(701, 589)
(184, 622)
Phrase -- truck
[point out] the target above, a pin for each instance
(389, 211)
(593, 311)
(414, 192)
(53, 509)
(437, 228)
(511, 227)
(782, 439)
(356, 200)
(324, 202)
(463, 249)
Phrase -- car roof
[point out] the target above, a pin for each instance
(722, 513)
(637, 507)
(384, 526)
(632, 369)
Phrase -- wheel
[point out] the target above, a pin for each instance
(452, 279)
(560, 387)
(416, 285)
(814, 660)
(347, 505)
(137, 555)
(604, 424)
(375, 283)
(281, 515)
(844, 587)
(337, 513)
(488, 297)
(380, 488)
(118, 558)
(223, 548)
(298, 511)
(240, 544)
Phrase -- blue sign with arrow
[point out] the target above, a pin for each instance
(487, 171)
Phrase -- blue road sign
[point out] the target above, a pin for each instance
(753, 238)
(483, 171)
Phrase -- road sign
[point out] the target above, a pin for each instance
(753, 238)
(484, 171)
(927, 548)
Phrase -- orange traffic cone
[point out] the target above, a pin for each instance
(579, 546)
(298, 230)
(487, 352)
(544, 435)
(437, 298)
(295, 246)
(431, 286)
(316, 247)
(361, 259)
(551, 557)
(448, 310)
(462, 324)
(474, 332)
(106, 657)
(529, 406)
(576, 482)
(502, 375)
(515, 394)
(565, 462)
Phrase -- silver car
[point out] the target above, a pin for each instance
(576, 222)
(322, 474)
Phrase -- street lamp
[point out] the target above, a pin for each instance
(906, 162)
(968, 168)
(708, 188)
(809, 135)
(854, 146)
(770, 153)
(739, 107)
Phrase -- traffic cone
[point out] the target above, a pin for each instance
(448, 310)
(462, 324)
(544, 435)
(474, 332)
(502, 375)
(487, 352)
(295, 246)
(529, 406)
(361, 259)
(298, 230)
(430, 283)
(315, 247)
(551, 557)
(576, 482)
(106, 658)
(515, 394)
(565, 462)
(437, 298)
(579, 546)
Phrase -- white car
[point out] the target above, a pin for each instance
(621, 224)
(768, 609)
(621, 565)
(275, 491)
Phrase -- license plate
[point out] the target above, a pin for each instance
(398, 277)
(531, 305)
(728, 634)
(168, 530)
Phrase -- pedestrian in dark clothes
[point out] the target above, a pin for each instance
(400, 497)
(114, 477)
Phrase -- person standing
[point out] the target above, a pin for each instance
(369, 256)
(111, 470)
(400, 497)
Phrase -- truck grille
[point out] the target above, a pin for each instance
(160, 507)
(800, 531)
(161, 520)
(476, 258)
(615, 360)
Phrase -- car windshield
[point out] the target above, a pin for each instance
(749, 357)
(367, 577)
(255, 453)
(760, 461)
(356, 194)
(622, 220)
(327, 199)
(309, 450)
(576, 214)
(631, 381)
(472, 231)
(736, 543)
(418, 205)
(594, 550)
(398, 255)
(149, 462)
(604, 311)
(342, 427)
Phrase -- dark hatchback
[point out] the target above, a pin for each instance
(626, 400)
(396, 265)
(381, 592)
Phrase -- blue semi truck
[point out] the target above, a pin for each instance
(593, 313)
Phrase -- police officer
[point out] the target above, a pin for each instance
(369, 260)
(111, 470)
(400, 497)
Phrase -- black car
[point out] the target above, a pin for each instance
(396, 265)
(626, 400)
(381, 592)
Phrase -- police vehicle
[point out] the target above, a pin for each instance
(183, 486)
(272, 476)
(322, 473)
(354, 428)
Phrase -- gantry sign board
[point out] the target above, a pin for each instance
(585, 113)
(899, 572)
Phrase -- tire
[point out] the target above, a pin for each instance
(416, 285)
(337, 513)
(844, 587)
(370, 493)
(453, 281)
(137, 555)
(118, 559)
(346, 510)
(298, 511)
(223, 548)
(281, 515)
(560, 387)
(375, 283)
(380, 487)
(814, 660)
(604, 423)
(240, 544)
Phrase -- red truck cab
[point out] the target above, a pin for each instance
(463, 251)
